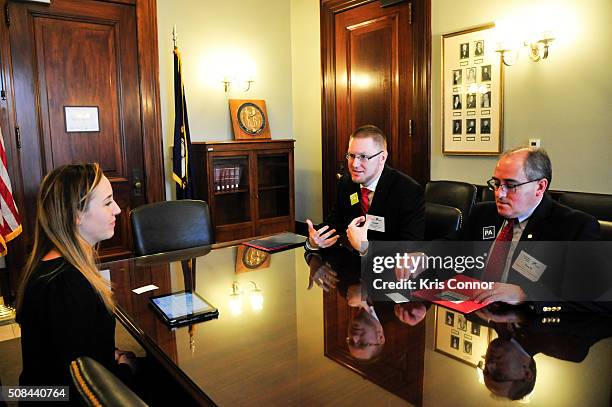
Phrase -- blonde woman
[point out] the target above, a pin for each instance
(64, 306)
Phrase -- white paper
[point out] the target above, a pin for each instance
(81, 119)
(145, 288)
(377, 223)
(397, 297)
(529, 266)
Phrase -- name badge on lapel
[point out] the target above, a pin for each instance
(354, 198)
(530, 267)
(377, 223)
(488, 232)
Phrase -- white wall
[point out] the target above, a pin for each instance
(209, 30)
(306, 85)
(565, 101)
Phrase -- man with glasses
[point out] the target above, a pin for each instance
(392, 201)
(524, 212)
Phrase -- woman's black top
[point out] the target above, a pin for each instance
(62, 317)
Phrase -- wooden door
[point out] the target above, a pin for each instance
(375, 71)
(78, 53)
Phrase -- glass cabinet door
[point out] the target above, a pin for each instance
(231, 189)
(273, 185)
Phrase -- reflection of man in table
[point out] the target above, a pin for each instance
(486, 100)
(485, 126)
(486, 73)
(456, 102)
(471, 101)
(457, 77)
(509, 367)
(465, 51)
(479, 51)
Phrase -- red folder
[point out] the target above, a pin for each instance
(461, 302)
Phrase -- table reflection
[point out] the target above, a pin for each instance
(313, 337)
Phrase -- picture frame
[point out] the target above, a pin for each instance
(459, 338)
(249, 119)
(82, 119)
(472, 93)
(250, 258)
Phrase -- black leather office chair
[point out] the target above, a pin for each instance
(96, 386)
(171, 225)
(441, 221)
(460, 195)
(597, 205)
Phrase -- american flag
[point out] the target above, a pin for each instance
(10, 224)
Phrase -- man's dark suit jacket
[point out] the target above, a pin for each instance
(398, 198)
(553, 222)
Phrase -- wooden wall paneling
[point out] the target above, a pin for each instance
(147, 103)
(148, 64)
(409, 152)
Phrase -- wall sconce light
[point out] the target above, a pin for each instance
(531, 32)
(538, 50)
(235, 302)
(256, 298)
(227, 84)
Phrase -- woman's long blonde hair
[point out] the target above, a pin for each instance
(64, 193)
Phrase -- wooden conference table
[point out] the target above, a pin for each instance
(278, 343)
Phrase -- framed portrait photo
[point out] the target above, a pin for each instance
(459, 338)
(472, 93)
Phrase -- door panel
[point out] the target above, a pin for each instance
(78, 54)
(369, 73)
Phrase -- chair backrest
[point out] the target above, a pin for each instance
(96, 386)
(460, 195)
(441, 221)
(597, 205)
(606, 230)
(170, 225)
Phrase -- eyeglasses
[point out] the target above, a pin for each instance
(495, 184)
(361, 157)
(350, 341)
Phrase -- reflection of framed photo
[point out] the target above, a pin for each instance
(249, 259)
(472, 78)
(450, 318)
(454, 342)
(467, 343)
(467, 347)
(461, 322)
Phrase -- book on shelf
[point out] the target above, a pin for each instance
(227, 177)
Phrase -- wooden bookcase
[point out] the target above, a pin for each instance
(248, 186)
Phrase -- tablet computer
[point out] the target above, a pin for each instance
(183, 308)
